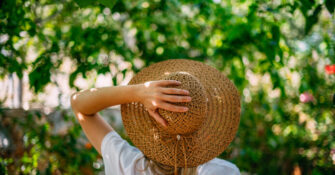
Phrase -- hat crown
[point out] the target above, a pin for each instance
(221, 114)
(190, 121)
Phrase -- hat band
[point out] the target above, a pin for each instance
(180, 139)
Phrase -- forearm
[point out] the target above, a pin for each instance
(93, 100)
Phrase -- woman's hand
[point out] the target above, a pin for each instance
(154, 95)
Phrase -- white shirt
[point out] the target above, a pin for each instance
(120, 158)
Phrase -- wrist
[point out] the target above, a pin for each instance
(137, 92)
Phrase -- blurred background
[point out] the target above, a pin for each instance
(280, 54)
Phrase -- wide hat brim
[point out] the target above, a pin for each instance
(213, 136)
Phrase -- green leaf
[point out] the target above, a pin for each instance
(108, 3)
(313, 19)
(330, 4)
(84, 3)
(275, 31)
(40, 76)
(305, 6)
(114, 81)
(73, 77)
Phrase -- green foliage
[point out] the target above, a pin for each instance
(272, 50)
(330, 5)
(86, 3)
(36, 79)
(42, 151)
(200, 30)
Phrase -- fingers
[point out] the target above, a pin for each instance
(157, 117)
(171, 107)
(168, 82)
(175, 91)
(175, 98)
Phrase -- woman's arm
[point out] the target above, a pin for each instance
(152, 95)
(91, 101)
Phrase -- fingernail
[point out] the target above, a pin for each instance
(185, 109)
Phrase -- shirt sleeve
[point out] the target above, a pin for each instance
(119, 157)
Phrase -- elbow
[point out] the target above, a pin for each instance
(78, 106)
(74, 101)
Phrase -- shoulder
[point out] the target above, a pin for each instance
(220, 166)
(119, 157)
(114, 144)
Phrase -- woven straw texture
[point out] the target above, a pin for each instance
(196, 136)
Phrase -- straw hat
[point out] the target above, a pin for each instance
(193, 137)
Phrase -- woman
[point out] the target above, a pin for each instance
(180, 114)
